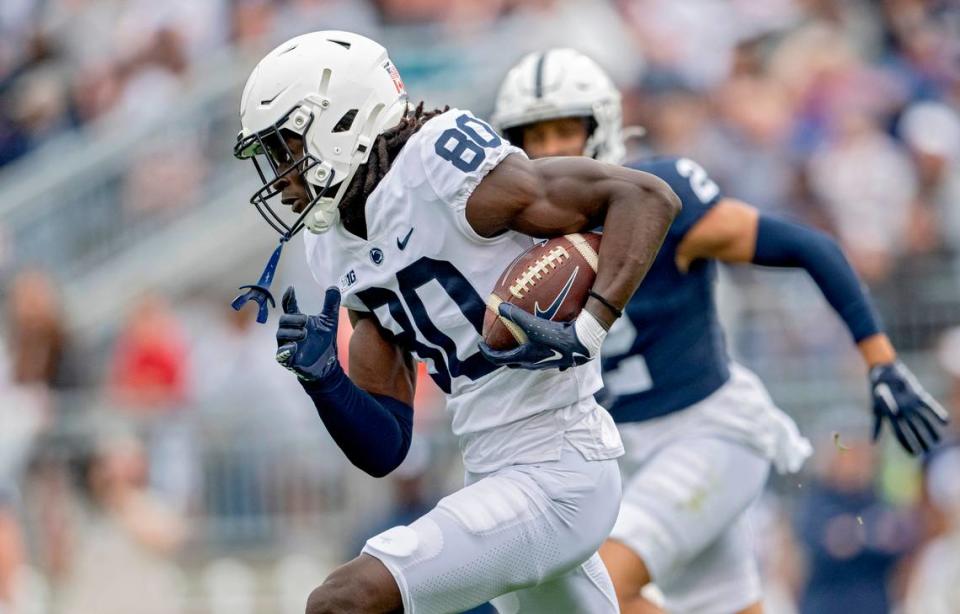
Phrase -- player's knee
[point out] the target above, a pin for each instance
(627, 570)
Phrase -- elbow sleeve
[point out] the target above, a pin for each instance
(785, 244)
(372, 430)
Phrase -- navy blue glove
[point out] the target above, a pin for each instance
(307, 345)
(550, 345)
(900, 399)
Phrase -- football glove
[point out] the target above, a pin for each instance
(912, 413)
(307, 345)
(549, 345)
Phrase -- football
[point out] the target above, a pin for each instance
(549, 280)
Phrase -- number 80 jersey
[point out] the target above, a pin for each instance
(424, 274)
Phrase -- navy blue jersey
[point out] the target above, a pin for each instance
(668, 350)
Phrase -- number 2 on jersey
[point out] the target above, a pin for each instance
(630, 374)
(464, 145)
(701, 184)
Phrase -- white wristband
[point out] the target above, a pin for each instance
(590, 332)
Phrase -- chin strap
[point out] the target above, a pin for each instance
(260, 292)
(321, 220)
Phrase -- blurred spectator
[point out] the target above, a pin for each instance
(253, 21)
(41, 351)
(167, 174)
(201, 28)
(149, 379)
(168, 170)
(934, 586)
(868, 186)
(12, 558)
(937, 519)
(853, 539)
(691, 42)
(922, 44)
(778, 554)
(253, 413)
(232, 363)
(400, 12)
(123, 561)
(34, 361)
(302, 15)
(931, 131)
(948, 355)
(39, 106)
(754, 161)
(149, 368)
(151, 78)
(23, 413)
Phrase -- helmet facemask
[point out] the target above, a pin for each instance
(275, 163)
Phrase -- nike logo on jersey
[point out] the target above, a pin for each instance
(402, 244)
(551, 311)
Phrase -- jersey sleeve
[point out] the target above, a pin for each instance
(697, 191)
(457, 150)
(322, 263)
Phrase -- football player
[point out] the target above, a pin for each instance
(700, 431)
(412, 216)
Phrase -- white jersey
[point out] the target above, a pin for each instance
(425, 274)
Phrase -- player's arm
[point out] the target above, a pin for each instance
(555, 196)
(377, 365)
(734, 231)
(370, 413)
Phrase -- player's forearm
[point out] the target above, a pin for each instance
(635, 223)
(785, 244)
(374, 431)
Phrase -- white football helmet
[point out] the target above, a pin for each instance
(338, 91)
(562, 83)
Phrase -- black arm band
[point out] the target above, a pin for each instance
(606, 303)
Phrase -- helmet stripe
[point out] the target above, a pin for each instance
(538, 75)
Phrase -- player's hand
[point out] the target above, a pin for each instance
(307, 345)
(550, 345)
(913, 414)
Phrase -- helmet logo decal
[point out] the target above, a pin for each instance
(394, 76)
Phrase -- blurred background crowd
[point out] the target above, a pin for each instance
(153, 458)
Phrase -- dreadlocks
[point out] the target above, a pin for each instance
(386, 147)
